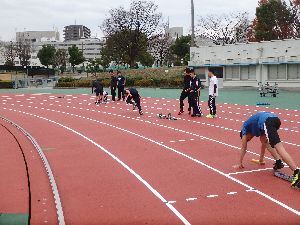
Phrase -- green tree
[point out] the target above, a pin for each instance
(93, 66)
(60, 60)
(46, 55)
(274, 21)
(76, 56)
(181, 48)
(129, 30)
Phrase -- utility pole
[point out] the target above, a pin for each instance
(193, 25)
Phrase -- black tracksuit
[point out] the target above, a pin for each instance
(185, 92)
(113, 87)
(98, 87)
(194, 95)
(135, 97)
(121, 87)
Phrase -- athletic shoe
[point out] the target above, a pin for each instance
(196, 115)
(190, 112)
(180, 112)
(278, 165)
(141, 112)
(296, 180)
(133, 106)
(210, 116)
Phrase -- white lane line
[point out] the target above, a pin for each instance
(155, 192)
(249, 171)
(194, 160)
(232, 193)
(212, 196)
(191, 199)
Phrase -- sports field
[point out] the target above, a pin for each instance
(65, 160)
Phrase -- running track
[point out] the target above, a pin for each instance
(112, 166)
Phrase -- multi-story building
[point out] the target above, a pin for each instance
(76, 32)
(37, 36)
(246, 64)
(174, 32)
(90, 47)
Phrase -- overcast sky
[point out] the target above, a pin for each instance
(42, 15)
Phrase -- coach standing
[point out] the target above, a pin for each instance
(213, 93)
(121, 85)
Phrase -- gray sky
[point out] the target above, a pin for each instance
(42, 15)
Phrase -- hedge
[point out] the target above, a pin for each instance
(6, 84)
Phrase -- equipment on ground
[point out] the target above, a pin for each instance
(283, 176)
(258, 162)
(169, 116)
(265, 89)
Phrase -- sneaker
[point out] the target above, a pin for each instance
(278, 165)
(296, 180)
(210, 116)
(141, 112)
(133, 106)
(180, 112)
(190, 112)
(196, 115)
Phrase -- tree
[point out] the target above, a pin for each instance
(224, 29)
(130, 30)
(23, 49)
(181, 48)
(160, 46)
(76, 56)
(10, 53)
(46, 55)
(274, 20)
(93, 66)
(60, 60)
(295, 7)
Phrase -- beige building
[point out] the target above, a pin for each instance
(246, 64)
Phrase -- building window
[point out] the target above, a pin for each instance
(277, 72)
(232, 73)
(248, 72)
(293, 71)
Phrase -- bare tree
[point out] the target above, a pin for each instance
(133, 28)
(159, 45)
(23, 51)
(223, 29)
(10, 53)
(295, 8)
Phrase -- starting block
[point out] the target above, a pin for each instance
(258, 162)
(169, 116)
(283, 176)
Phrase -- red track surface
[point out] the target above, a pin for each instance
(113, 166)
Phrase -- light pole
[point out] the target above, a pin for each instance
(193, 25)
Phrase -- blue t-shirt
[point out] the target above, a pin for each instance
(255, 124)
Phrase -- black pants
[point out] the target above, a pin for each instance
(194, 100)
(136, 99)
(113, 92)
(183, 96)
(271, 127)
(121, 92)
(212, 105)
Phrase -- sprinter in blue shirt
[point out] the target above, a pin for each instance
(265, 125)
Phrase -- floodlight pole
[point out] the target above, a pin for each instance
(193, 25)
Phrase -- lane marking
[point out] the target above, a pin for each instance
(155, 192)
(172, 150)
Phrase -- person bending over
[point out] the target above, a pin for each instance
(265, 125)
(133, 97)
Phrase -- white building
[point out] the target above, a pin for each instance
(37, 36)
(90, 47)
(174, 32)
(247, 64)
